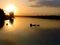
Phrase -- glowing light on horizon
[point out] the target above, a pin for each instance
(10, 8)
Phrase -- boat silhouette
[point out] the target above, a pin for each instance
(34, 25)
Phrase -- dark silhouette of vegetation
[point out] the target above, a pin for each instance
(2, 17)
(2, 14)
(1, 23)
(51, 17)
(11, 14)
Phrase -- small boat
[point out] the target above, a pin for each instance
(34, 25)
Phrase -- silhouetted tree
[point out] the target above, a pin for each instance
(11, 14)
(2, 23)
(2, 14)
(2, 18)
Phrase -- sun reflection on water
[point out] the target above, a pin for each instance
(9, 26)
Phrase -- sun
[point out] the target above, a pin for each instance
(10, 8)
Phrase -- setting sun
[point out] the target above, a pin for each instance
(10, 8)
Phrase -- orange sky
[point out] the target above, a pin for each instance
(24, 7)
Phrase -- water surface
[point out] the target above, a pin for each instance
(20, 32)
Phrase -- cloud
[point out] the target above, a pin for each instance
(49, 3)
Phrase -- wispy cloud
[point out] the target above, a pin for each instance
(50, 3)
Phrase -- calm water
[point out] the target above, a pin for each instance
(20, 32)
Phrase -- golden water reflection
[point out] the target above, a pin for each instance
(8, 25)
(23, 24)
(21, 32)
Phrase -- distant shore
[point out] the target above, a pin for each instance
(43, 17)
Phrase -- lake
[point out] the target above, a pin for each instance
(19, 32)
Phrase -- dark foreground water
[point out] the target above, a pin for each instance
(20, 32)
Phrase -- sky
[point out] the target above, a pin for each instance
(33, 7)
